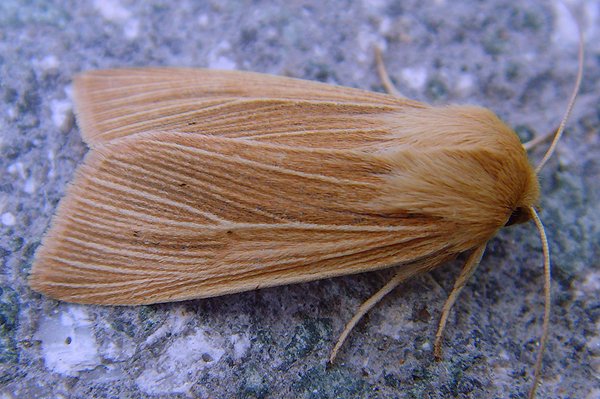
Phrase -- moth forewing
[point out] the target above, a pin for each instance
(119, 102)
(202, 183)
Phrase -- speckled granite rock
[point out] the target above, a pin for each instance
(518, 60)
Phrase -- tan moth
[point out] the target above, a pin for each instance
(201, 183)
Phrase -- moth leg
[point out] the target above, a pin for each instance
(538, 140)
(399, 277)
(384, 76)
(466, 272)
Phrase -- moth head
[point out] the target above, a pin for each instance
(518, 216)
(529, 198)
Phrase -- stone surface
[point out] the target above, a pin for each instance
(518, 60)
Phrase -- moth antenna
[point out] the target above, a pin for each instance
(384, 76)
(399, 277)
(466, 273)
(538, 222)
(547, 300)
(571, 103)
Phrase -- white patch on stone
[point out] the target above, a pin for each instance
(112, 10)
(591, 24)
(367, 40)
(17, 168)
(270, 33)
(49, 62)
(68, 342)
(376, 5)
(386, 26)
(502, 375)
(591, 284)
(174, 325)
(504, 355)
(52, 169)
(131, 29)
(241, 344)
(62, 114)
(203, 20)
(414, 77)
(593, 345)
(30, 186)
(117, 349)
(8, 219)
(319, 51)
(109, 373)
(464, 83)
(223, 63)
(216, 59)
(565, 26)
(11, 112)
(69, 92)
(395, 326)
(176, 370)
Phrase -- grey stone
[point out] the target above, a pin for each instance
(516, 59)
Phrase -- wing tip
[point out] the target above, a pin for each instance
(50, 280)
(50, 276)
(43, 281)
(84, 106)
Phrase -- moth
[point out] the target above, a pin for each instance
(201, 183)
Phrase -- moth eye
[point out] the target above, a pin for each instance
(519, 215)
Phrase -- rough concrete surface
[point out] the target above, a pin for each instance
(517, 59)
